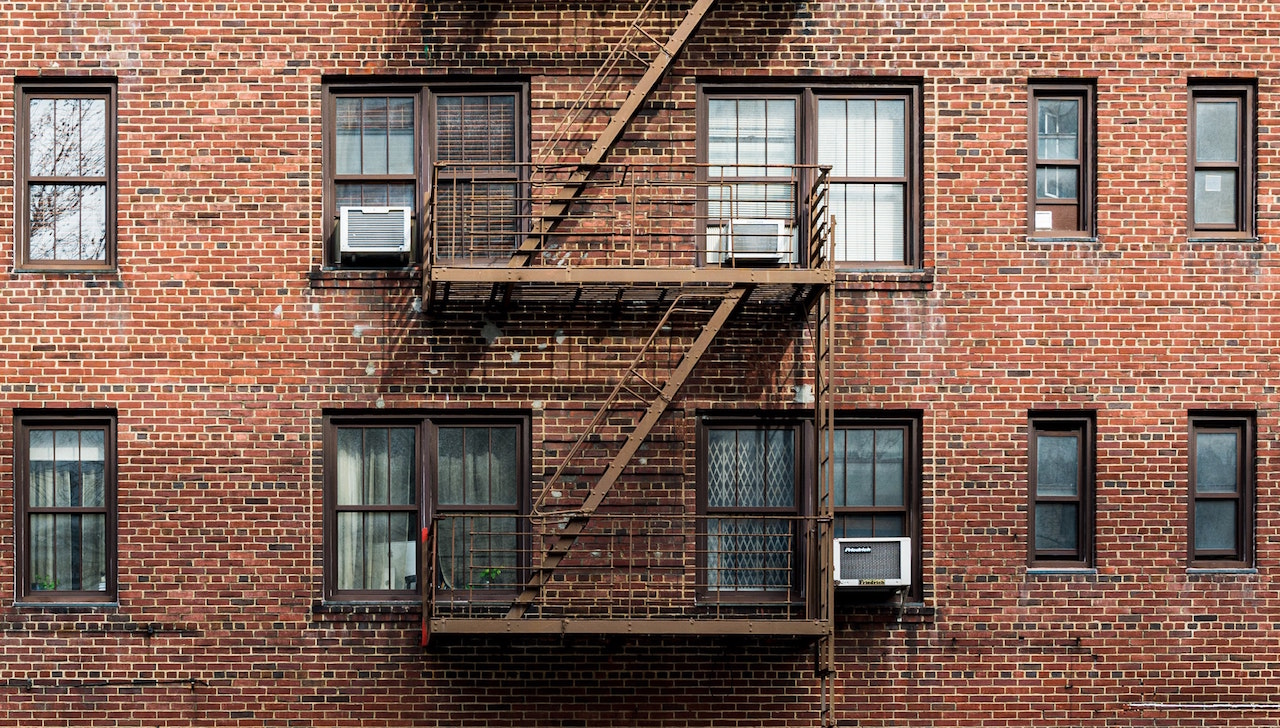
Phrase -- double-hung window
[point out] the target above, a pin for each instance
(1221, 483)
(763, 149)
(66, 170)
(751, 502)
(1061, 160)
(66, 498)
(1060, 498)
(1221, 159)
(388, 478)
(405, 158)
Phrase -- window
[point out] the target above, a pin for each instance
(1060, 458)
(1061, 197)
(66, 501)
(751, 503)
(1221, 160)
(66, 176)
(753, 142)
(388, 478)
(382, 142)
(1221, 490)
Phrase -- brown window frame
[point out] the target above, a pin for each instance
(1083, 163)
(25, 423)
(800, 553)
(27, 91)
(807, 98)
(1083, 427)
(1244, 166)
(1242, 425)
(909, 424)
(428, 507)
(424, 144)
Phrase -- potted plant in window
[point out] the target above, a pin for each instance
(43, 583)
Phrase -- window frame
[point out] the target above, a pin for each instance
(24, 423)
(1244, 426)
(425, 426)
(800, 556)
(88, 88)
(1084, 427)
(807, 98)
(1245, 166)
(425, 95)
(1085, 162)
(909, 423)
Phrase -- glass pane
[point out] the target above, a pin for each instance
(375, 194)
(477, 552)
(377, 547)
(854, 526)
(1215, 197)
(890, 526)
(890, 227)
(1056, 527)
(92, 468)
(752, 135)
(350, 550)
(450, 478)
(782, 135)
(42, 136)
(722, 132)
(722, 468)
(479, 128)
(780, 470)
(400, 476)
(92, 138)
(504, 475)
(40, 465)
(1057, 465)
(833, 135)
(1215, 525)
(373, 137)
(400, 147)
(375, 466)
(1056, 183)
(1217, 128)
(855, 216)
(68, 551)
(891, 138)
(349, 478)
(68, 222)
(1058, 125)
(477, 465)
(403, 563)
(890, 468)
(1217, 462)
(751, 468)
(66, 454)
(347, 129)
(859, 467)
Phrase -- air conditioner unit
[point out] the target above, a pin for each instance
(873, 562)
(379, 230)
(744, 239)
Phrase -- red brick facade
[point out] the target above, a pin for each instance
(221, 340)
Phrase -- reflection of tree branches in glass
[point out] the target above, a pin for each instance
(67, 179)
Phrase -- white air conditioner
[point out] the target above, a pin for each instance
(873, 562)
(745, 239)
(375, 229)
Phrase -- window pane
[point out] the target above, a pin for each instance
(92, 468)
(890, 230)
(400, 148)
(891, 144)
(1215, 525)
(857, 460)
(347, 128)
(42, 138)
(400, 476)
(477, 466)
(477, 552)
(374, 194)
(1057, 465)
(373, 136)
(40, 466)
(67, 222)
(780, 487)
(1215, 197)
(890, 468)
(834, 135)
(450, 477)
(1058, 124)
(1217, 127)
(1217, 462)
(854, 526)
(374, 489)
(1057, 183)
(92, 138)
(722, 468)
(748, 554)
(1056, 527)
(862, 138)
(504, 477)
(68, 551)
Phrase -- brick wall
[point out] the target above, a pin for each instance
(220, 344)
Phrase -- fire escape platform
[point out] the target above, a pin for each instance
(529, 626)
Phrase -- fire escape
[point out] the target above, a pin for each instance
(658, 238)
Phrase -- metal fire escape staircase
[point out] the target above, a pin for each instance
(712, 293)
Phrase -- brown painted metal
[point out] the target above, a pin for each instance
(609, 137)
(589, 626)
(662, 399)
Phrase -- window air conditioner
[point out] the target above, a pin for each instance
(873, 562)
(374, 229)
(751, 240)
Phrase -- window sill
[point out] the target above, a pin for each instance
(1221, 571)
(1245, 239)
(52, 606)
(1062, 571)
(359, 278)
(371, 611)
(1068, 238)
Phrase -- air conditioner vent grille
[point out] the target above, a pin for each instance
(864, 562)
(375, 229)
